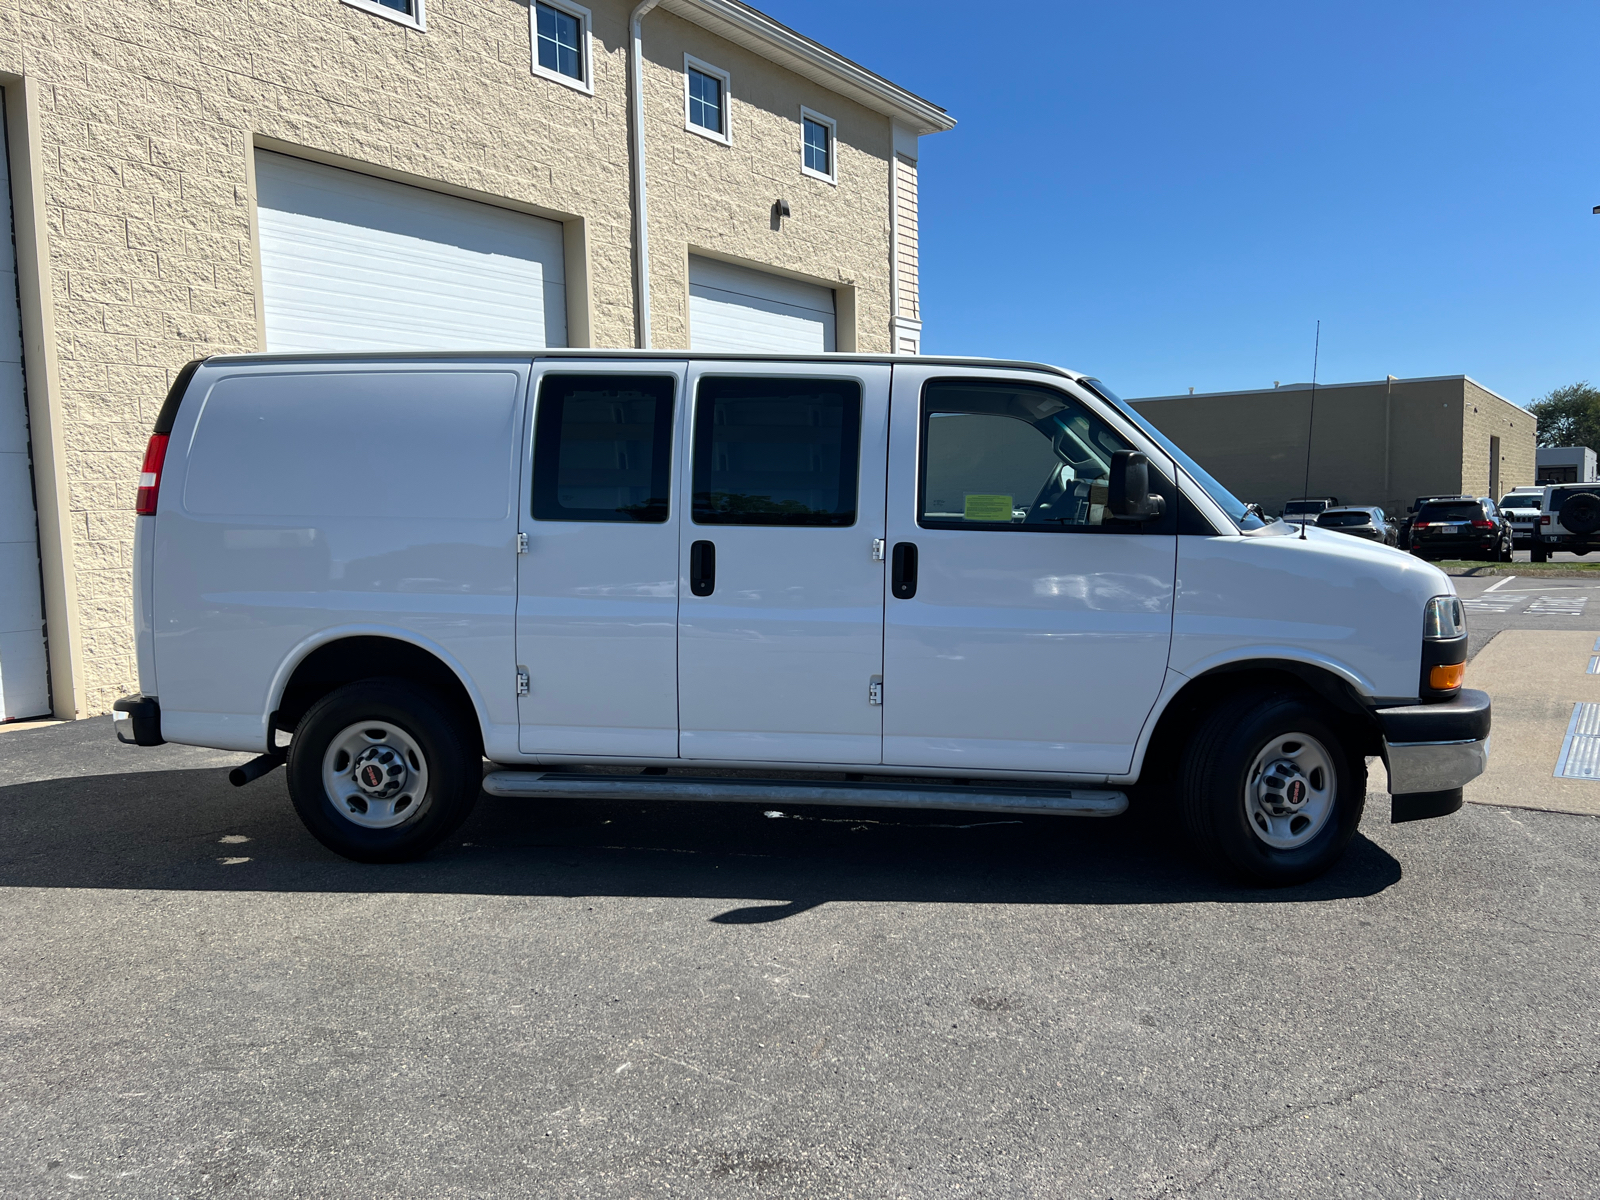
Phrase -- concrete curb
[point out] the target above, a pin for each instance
(1527, 571)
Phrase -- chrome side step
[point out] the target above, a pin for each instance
(1071, 802)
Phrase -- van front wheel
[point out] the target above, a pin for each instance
(382, 771)
(1270, 790)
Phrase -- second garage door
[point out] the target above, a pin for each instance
(737, 308)
(350, 262)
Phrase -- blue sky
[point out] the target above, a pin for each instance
(1171, 195)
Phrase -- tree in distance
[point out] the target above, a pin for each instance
(1568, 416)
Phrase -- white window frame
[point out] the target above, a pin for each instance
(724, 138)
(585, 25)
(833, 146)
(418, 22)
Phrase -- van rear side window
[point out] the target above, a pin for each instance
(405, 444)
(602, 448)
(776, 451)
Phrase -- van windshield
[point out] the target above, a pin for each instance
(1243, 515)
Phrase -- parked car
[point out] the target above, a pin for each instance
(1369, 523)
(1522, 507)
(1403, 534)
(1300, 512)
(1461, 527)
(1569, 520)
(679, 575)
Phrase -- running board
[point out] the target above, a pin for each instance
(1072, 802)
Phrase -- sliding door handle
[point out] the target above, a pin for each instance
(702, 568)
(903, 577)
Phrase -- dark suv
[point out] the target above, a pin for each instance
(1461, 527)
(1403, 534)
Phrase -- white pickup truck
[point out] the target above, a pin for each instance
(847, 579)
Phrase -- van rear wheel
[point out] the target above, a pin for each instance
(382, 771)
(1270, 789)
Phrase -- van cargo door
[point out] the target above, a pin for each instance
(597, 582)
(780, 634)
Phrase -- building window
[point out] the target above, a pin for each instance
(404, 12)
(561, 44)
(818, 152)
(705, 99)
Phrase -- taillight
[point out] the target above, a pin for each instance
(1544, 520)
(1483, 524)
(150, 475)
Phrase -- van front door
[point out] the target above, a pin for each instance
(780, 630)
(1024, 630)
(597, 584)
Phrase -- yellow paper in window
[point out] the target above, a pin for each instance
(987, 508)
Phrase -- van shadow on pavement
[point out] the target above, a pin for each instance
(192, 830)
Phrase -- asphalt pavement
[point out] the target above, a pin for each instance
(586, 1000)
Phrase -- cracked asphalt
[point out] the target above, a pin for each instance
(626, 1000)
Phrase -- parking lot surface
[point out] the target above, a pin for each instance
(627, 1000)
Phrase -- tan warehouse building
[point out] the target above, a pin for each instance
(1382, 443)
(190, 179)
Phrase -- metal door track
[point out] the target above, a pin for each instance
(1073, 802)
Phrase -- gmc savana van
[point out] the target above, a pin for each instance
(846, 579)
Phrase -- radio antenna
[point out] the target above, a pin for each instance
(1311, 424)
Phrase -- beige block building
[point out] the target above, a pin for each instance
(187, 179)
(1383, 443)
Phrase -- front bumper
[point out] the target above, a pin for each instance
(137, 720)
(1432, 751)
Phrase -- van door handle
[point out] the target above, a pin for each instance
(702, 568)
(903, 579)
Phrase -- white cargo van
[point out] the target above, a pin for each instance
(846, 579)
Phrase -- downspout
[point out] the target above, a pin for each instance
(641, 222)
(894, 245)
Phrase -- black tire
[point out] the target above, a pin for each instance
(1214, 776)
(445, 757)
(1580, 553)
(1538, 556)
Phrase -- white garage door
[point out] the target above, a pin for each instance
(24, 688)
(349, 262)
(736, 308)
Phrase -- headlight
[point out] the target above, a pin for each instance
(1443, 619)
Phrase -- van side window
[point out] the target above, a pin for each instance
(998, 455)
(602, 448)
(779, 451)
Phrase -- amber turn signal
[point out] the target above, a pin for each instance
(1448, 677)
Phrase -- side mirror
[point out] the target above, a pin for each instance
(1128, 496)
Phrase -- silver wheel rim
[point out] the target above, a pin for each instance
(375, 775)
(1290, 791)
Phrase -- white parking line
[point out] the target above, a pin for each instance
(1498, 586)
(1565, 606)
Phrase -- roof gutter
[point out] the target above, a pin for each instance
(641, 215)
